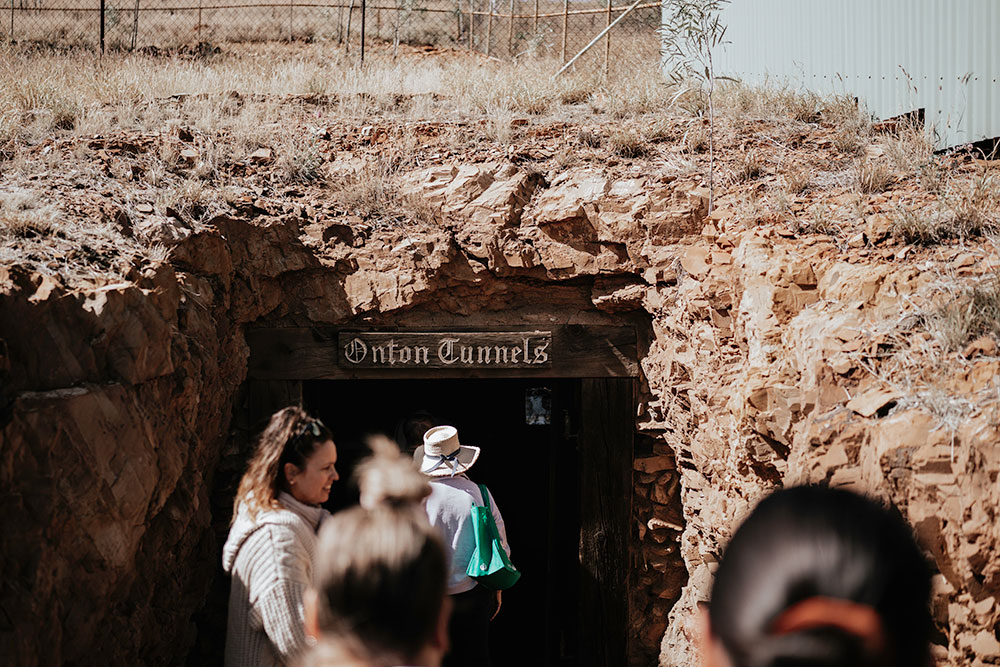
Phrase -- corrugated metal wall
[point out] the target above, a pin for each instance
(896, 55)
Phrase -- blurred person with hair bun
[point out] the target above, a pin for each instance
(378, 596)
(272, 541)
(820, 577)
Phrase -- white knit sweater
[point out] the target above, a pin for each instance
(270, 560)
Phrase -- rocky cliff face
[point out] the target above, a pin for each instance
(787, 360)
(777, 357)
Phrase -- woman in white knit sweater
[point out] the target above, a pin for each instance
(271, 544)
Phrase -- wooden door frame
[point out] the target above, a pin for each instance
(606, 439)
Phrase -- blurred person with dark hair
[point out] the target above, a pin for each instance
(410, 430)
(820, 577)
(378, 597)
(269, 552)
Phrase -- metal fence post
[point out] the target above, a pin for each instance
(565, 26)
(135, 25)
(510, 32)
(489, 30)
(347, 40)
(102, 26)
(607, 43)
(363, 7)
(11, 21)
(472, 22)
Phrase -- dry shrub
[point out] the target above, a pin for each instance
(576, 88)
(23, 215)
(749, 167)
(10, 132)
(627, 142)
(372, 193)
(967, 315)
(297, 159)
(817, 223)
(796, 181)
(499, 125)
(849, 142)
(696, 138)
(190, 201)
(590, 138)
(845, 112)
(369, 192)
(771, 102)
(642, 92)
(967, 210)
(975, 207)
(933, 175)
(658, 129)
(526, 89)
(910, 148)
(871, 177)
(923, 227)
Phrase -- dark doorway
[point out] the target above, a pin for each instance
(568, 538)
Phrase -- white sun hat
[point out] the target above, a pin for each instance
(442, 455)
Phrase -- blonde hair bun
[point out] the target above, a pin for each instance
(388, 478)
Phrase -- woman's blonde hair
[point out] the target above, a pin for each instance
(291, 436)
(381, 568)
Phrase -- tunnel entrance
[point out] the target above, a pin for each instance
(557, 450)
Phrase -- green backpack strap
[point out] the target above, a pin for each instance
(485, 493)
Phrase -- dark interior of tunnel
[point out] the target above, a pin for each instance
(531, 470)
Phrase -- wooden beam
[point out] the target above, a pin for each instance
(606, 441)
(578, 351)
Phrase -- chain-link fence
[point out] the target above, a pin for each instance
(501, 28)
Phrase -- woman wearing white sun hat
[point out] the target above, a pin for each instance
(445, 460)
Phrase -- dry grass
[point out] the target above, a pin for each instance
(372, 193)
(36, 233)
(696, 138)
(872, 176)
(969, 208)
(782, 103)
(748, 167)
(627, 142)
(818, 222)
(797, 181)
(42, 93)
(23, 214)
(968, 314)
(910, 147)
(975, 204)
(590, 138)
(921, 226)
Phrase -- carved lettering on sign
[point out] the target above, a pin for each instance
(516, 349)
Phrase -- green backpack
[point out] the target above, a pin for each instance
(489, 564)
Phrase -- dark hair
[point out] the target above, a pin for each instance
(816, 542)
(291, 436)
(381, 568)
(410, 431)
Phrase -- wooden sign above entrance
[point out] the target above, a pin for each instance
(318, 353)
(459, 349)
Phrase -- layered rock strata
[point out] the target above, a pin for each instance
(118, 397)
